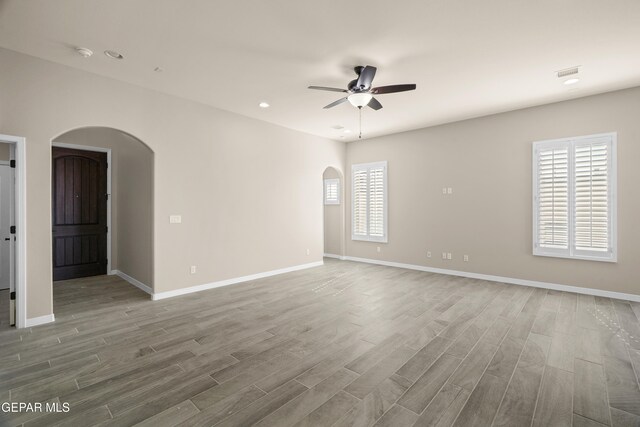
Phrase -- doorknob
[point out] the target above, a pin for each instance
(7, 238)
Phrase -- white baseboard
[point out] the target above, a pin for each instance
(135, 282)
(227, 282)
(510, 280)
(35, 321)
(340, 257)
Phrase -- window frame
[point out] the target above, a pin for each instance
(571, 143)
(385, 217)
(328, 181)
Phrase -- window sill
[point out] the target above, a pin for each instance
(370, 239)
(613, 258)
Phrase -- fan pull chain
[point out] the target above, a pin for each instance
(360, 112)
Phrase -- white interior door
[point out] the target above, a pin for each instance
(6, 205)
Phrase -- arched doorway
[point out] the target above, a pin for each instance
(102, 207)
(333, 205)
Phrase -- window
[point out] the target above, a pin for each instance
(574, 186)
(369, 202)
(332, 191)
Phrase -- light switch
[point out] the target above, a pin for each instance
(175, 219)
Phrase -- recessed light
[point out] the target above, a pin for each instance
(84, 52)
(113, 54)
(264, 104)
(571, 81)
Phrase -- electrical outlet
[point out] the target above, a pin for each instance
(449, 255)
(193, 269)
(444, 255)
(308, 251)
(428, 254)
(466, 258)
(175, 219)
(378, 249)
(449, 190)
(444, 190)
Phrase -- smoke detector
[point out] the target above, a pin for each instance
(84, 52)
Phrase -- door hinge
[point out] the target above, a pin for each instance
(12, 295)
(106, 229)
(12, 163)
(12, 229)
(106, 261)
(106, 196)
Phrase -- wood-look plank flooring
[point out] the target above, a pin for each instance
(345, 344)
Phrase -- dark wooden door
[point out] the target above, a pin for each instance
(79, 213)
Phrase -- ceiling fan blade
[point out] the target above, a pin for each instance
(375, 104)
(392, 89)
(330, 89)
(338, 102)
(366, 77)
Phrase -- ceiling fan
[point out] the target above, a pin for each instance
(360, 91)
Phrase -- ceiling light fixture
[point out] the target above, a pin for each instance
(347, 131)
(113, 54)
(84, 52)
(264, 104)
(359, 99)
(571, 81)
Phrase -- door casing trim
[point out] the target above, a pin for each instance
(20, 153)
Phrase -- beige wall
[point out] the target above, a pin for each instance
(487, 162)
(334, 219)
(215, 168)
(131, 198)
(4, 151)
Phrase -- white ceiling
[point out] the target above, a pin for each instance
(469, 58)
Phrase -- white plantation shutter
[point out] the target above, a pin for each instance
(376, 201)
(553, 198)
(332, 191)
(592, 197)
(360, 226)
(574, 209)
(369, 203)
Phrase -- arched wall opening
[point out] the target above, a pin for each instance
(131, 193)
(333, 208)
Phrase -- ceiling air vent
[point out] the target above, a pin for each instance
(568, 72)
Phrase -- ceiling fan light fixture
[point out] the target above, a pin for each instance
(360, 99)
